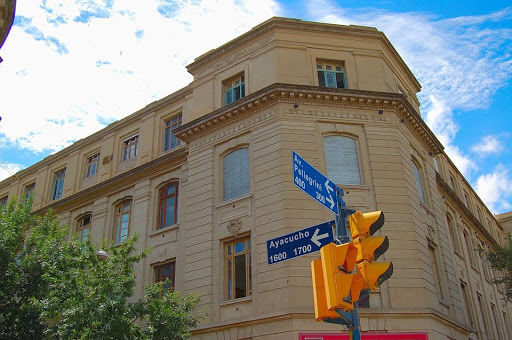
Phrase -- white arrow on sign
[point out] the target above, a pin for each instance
(329, 189)
(316, 238)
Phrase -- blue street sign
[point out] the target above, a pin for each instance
(300, 243)
(314, 183)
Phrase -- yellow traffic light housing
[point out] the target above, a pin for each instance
(374, 273)
(370, 248)
(365, 224)
(319, 289)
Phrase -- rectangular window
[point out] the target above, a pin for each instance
(92, 165)
(237, 264)
(468, 309)
(236, 174)
(452, 185)
(166, 271)
(130, 147)
(418, 180)
(435, 272)
(497, 328)
(29, 189)
(171, 141)
(466, 199)
(83, 227)
(436, 164)
(330, 74)
(168, 205)
(58, 184)
(453, 233)
(342, 160)
(122, 221)
(3, 201)
(483, 313)
(234, 89)
(470, 249)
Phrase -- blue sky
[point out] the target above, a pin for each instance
(70, 68)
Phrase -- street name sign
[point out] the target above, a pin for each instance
(314, 183)
(300, 243)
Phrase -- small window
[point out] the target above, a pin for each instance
(468, 310)
(92, 165)
(238, 268)
(168, 205)
(436, 164)
(452, 184)
(466, 199)
(58, 184)
(236, 174)
(130, 147)
(330, 74)
(435, 272)
(3, 201)
(234, 89)
(342, 161)
(417, 179)
(166, 271)
(171, 141)
(29, 189)
(453, 233)
(83, 227)
(122, 221)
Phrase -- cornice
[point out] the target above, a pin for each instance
(467, 213)
(118, 182)
(312, 96)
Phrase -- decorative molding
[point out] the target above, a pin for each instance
(234, 226)
(340, 115)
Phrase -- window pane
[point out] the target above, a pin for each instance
(417, 178)
(240, 278)
(170, 212)
(321, 78)
(230, 279)
(342, 162)
(236, 174)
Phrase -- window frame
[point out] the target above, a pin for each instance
(160, 279)
(130, 147)
(230, 274)
(244, 183)
(335, 75)
(81, 227)
(452, 228)
(92, 164)
(29, 189)
(163, 199)
(233, 86)
(332, 165)
(435, 271)
(171, 141)
(4, 200)
(119, 212)
(419, 180)
(58, 184)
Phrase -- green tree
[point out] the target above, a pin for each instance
(54, 288)
(500, 259)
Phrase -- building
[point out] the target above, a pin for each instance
(204, 176)
(7, 9)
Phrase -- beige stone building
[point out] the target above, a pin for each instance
(204, 176)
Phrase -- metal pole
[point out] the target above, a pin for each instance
(356, 330)
(341, 218)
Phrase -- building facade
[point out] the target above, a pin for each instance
(204, 176)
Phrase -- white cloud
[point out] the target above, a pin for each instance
(67, 71)
(9, 169)
(488, 145)
(495, 189)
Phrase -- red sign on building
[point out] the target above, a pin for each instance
(364, 336)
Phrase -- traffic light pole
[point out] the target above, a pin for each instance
(343, 237)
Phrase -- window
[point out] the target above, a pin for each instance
(92, 165)
(436, 164)
(467, 241)
(417, 179)
(29, 189)
(166, 271)
(330, 74)
(171, 141)
(453, 233)
(168, 205)
(3, 201)
(495, 319)
(122, 221)
(236, 173)
(234, 89)
(466, 199)
(83, 227)
(435, 272)
(130, 147)
(468, 311)
(237, 265)
(483, 314)
(341, 159)
(452, 184)
(58, 184)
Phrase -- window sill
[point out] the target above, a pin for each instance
(233, 200)
(234, 301)
(444, 303)
(174, 149)
(163, 230)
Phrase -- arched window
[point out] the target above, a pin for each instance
(236, 173)
(122, 221)
(83, 227)
(168, 205)
(342, 160)
(417, 179)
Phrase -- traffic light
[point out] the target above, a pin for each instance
(341, 287)
(362, 226)
(319, 297)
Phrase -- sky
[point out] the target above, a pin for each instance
(72, 67)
